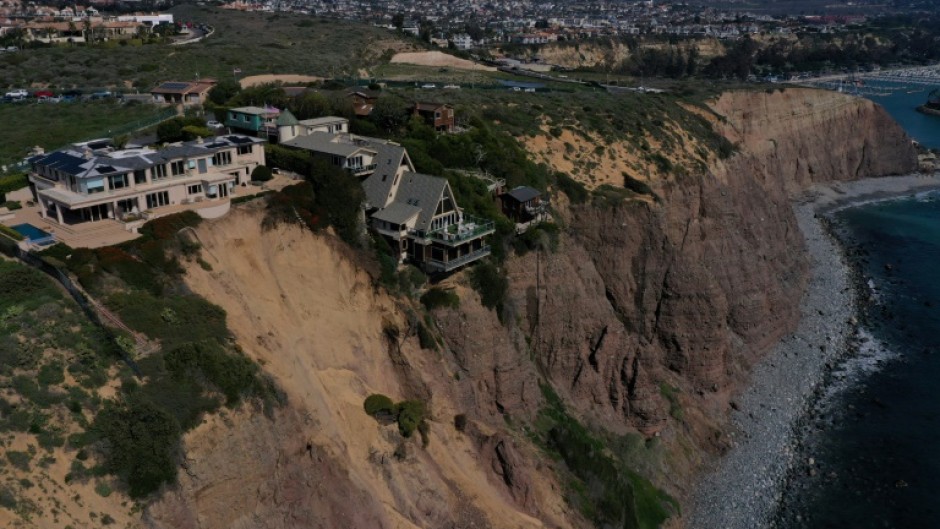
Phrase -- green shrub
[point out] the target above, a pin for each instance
(411, 413)
(51, 373)
(231, 373)
(11, 233)
(437, 297)
(378, 403)
(576, 192)
(12, 182)
(491, 283)
(261, 174)
(606, 490)
(19, 460)
(12, 205)
(638, 186)
(164, 228)
(425, 338)
(141, 444)
(103, 489)
(460, 422)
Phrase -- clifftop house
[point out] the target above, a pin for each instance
(80, 184)
(416, 213)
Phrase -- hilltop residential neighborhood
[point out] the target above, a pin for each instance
(470, 25)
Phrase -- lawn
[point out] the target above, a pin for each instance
(280, 43)
(52, 126)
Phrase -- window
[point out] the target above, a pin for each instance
(140, 177)
(118, 181)
(222, 158)
(159, 171)
(178, 167)
(245, 149)
(155, 200)
(194, 189)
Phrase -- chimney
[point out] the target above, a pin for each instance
(87, 153)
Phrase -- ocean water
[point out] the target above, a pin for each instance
(902, 104)
(874, 433)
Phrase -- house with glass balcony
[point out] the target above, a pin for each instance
(80, 184)
(415, 213)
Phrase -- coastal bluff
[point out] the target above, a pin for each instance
(644, 321)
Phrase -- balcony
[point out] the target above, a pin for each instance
(361, 170)
(470, 228)
(434, 266)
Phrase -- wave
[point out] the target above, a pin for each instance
(872, 356)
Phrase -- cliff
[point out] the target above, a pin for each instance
(644, 320)
(692, 290)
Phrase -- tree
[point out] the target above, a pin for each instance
(310, 105)
(141, 444)
(398, 20)
(225, 90)
(389, 113)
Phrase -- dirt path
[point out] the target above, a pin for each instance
(255, 80)
(437, 58)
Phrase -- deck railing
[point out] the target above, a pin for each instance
(471, 228)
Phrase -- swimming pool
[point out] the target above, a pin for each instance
(34, 234)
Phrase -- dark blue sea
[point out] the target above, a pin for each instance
(870, 454)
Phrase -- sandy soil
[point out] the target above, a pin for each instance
(438, 58)
(315, 322)
(255, 80)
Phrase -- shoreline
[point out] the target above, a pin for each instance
(745, 487)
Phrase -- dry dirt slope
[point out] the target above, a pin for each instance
(315, 323)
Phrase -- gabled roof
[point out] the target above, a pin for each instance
(422, 191)
(378, 187)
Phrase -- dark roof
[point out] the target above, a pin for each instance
(423, 191)
(378, 187)
(524, 193)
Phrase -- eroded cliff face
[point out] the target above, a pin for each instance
(689, 292)
(639, 296)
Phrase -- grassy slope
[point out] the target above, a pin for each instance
(53, 125)
(279, 44)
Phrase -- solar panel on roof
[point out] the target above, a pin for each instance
(105, 169)
(238, 139)
(174, 86)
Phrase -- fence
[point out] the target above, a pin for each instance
(92, 309)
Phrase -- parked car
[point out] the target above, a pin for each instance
(213, 124)
(429, 85)
(18, 93)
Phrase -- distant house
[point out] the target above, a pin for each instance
(82, 184)
(182, 93)
(363, 101)
(437, 115)
(257, 121)
(289, 128)
(524, 204)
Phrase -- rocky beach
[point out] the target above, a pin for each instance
(744, 489)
